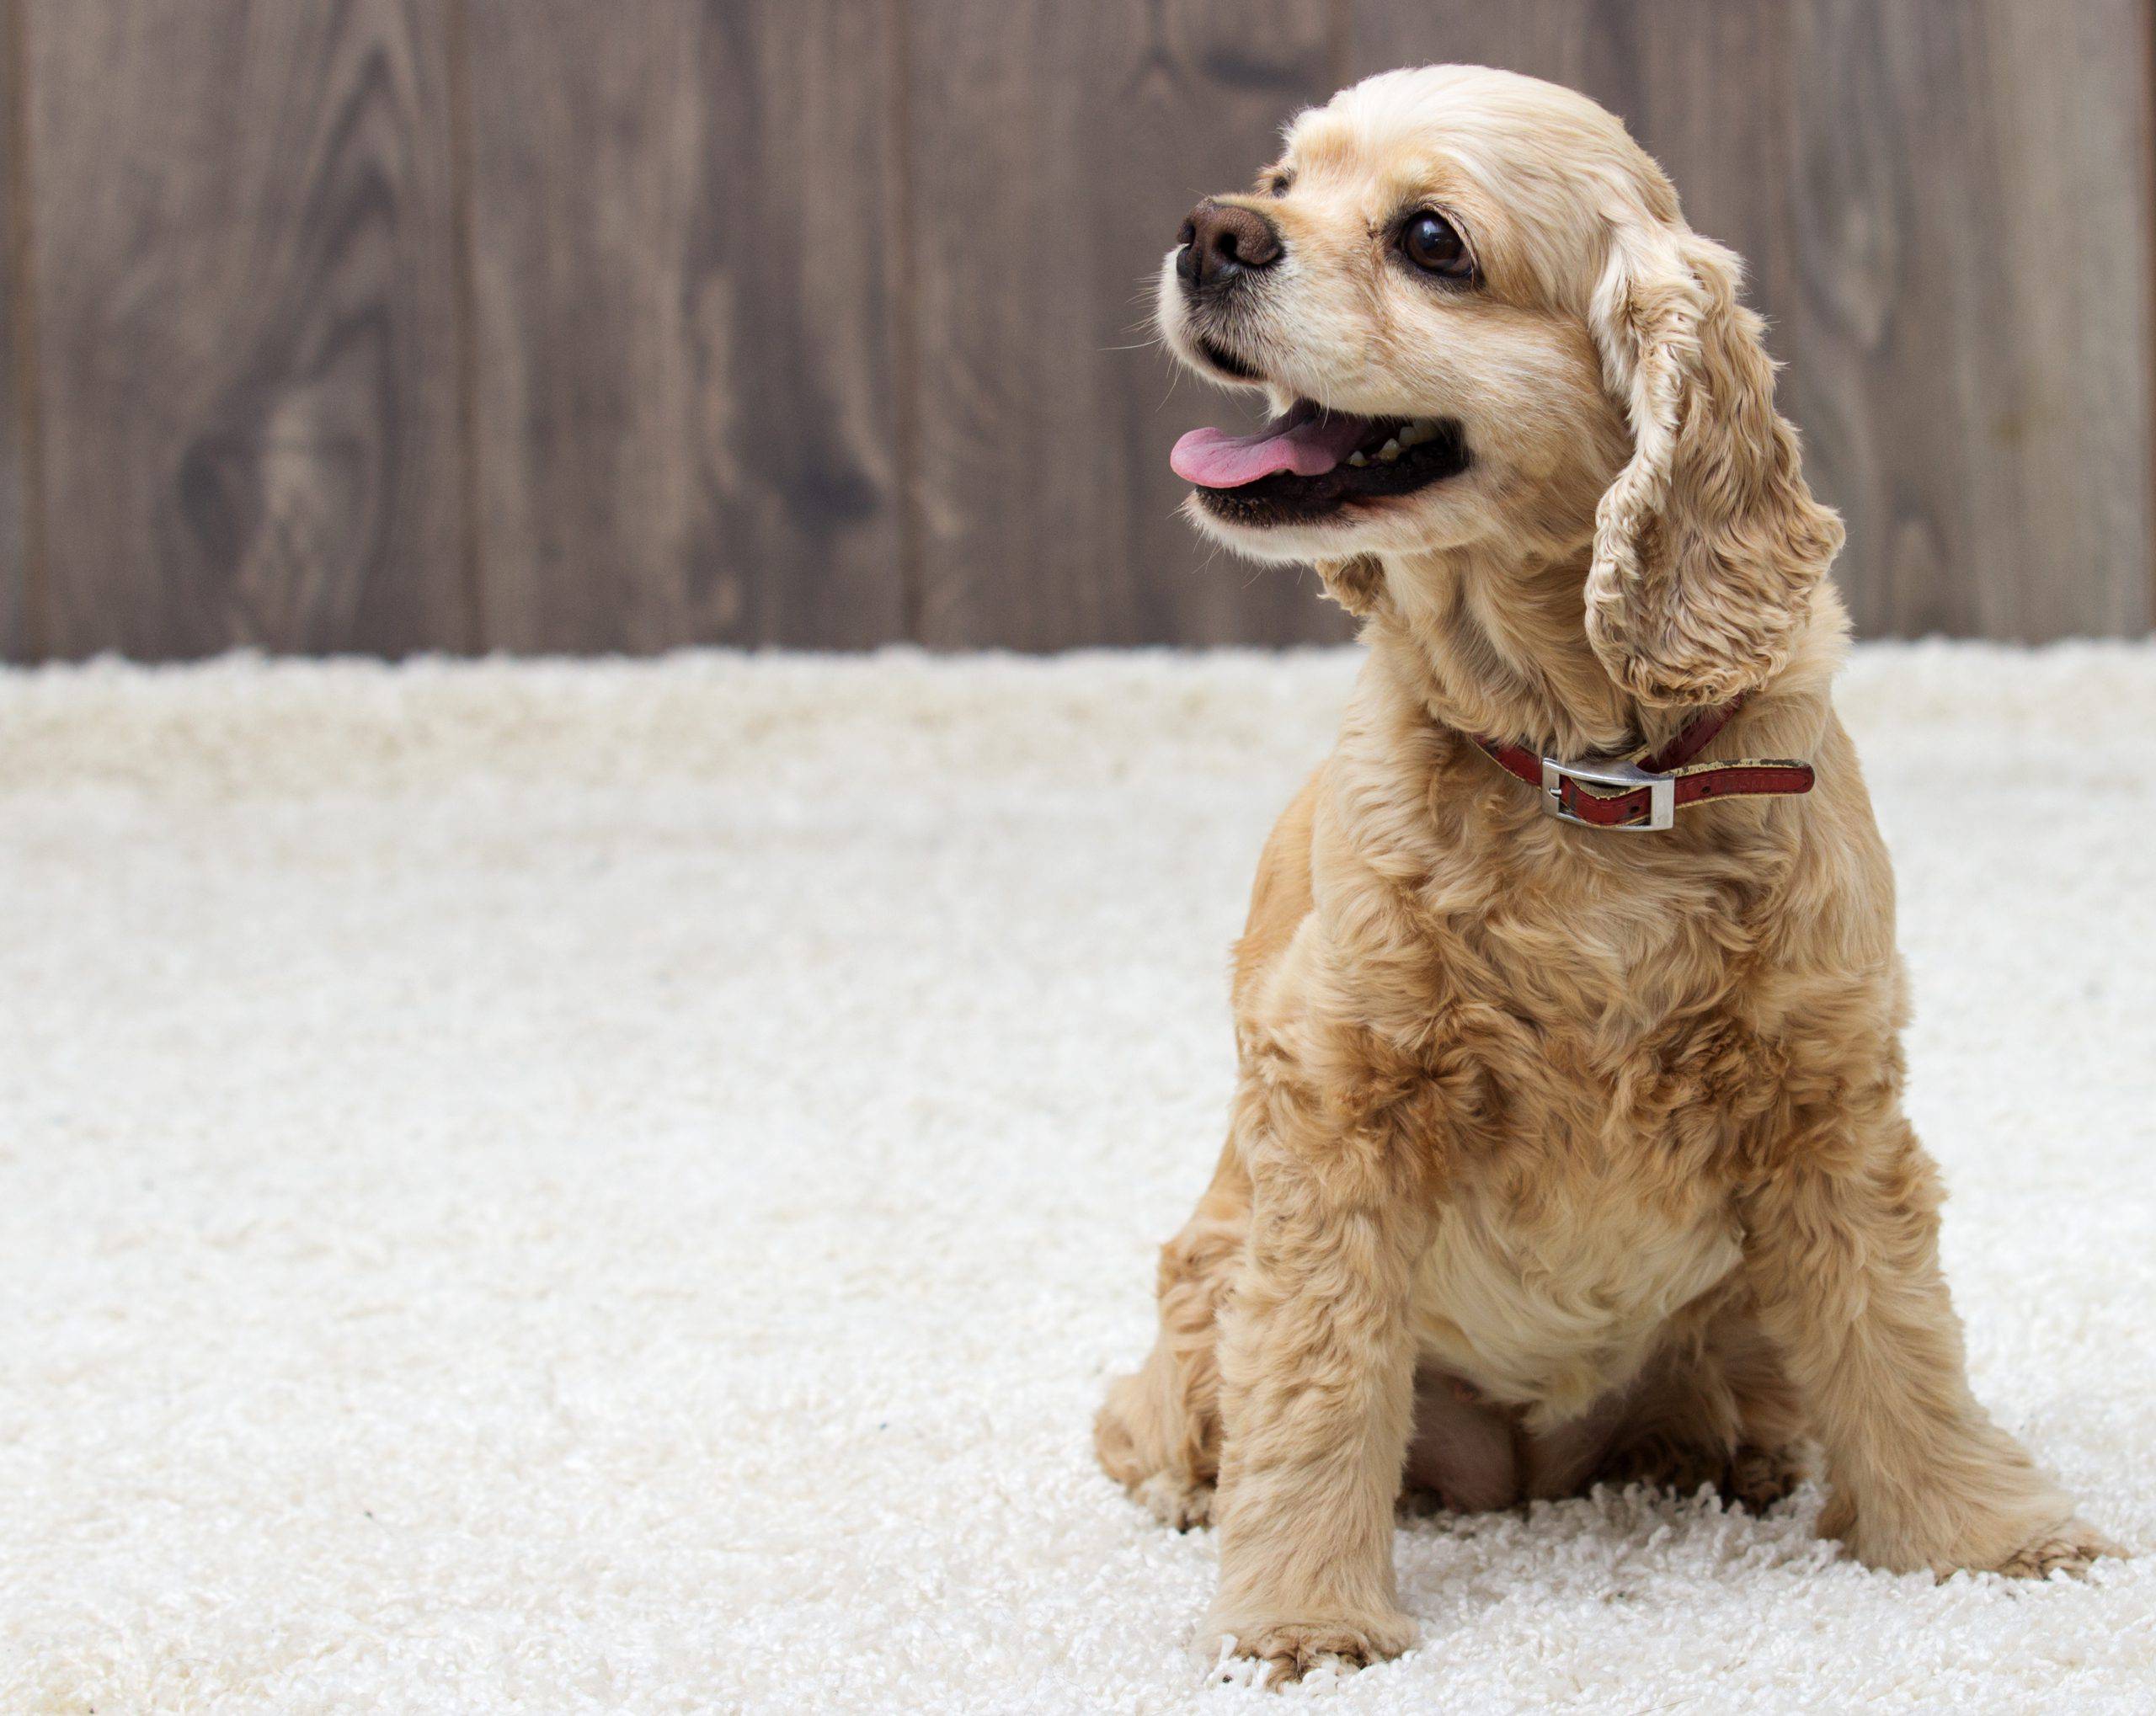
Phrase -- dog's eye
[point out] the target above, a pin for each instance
(1278, 185)
(1429, 241)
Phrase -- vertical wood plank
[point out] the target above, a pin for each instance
(247, 334)
(1972, 220)
(20, 626)
(809, 324)
(688, 407)
(1055, 151)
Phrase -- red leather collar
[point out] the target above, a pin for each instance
(1643, 791)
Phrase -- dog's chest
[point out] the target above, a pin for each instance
(1550, 1301)
(1592, 1211)
(1623, 1056)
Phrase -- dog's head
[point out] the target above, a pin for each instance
(1480, 320)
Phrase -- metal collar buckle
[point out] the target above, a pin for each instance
(1625, 777)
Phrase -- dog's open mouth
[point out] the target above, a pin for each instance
(1312, 462)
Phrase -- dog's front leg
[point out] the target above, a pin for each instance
(1317, 1374)
(1843, 1252)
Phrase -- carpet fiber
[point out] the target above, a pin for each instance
(552, 1188)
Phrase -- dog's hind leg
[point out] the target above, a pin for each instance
(1159, 1433)
(1466, 1450)
(1773, 1451)
(1714, 1408)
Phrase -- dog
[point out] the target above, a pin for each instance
(1567, 1143)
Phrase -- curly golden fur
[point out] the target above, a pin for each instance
(1557, 1154)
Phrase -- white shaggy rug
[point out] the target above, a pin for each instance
(559, 1188)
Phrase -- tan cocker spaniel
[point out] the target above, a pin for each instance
(1568, 1143)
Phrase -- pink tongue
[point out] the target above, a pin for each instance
(1306, 441)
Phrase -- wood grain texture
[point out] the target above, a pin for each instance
(688, 409)
(1971, 218)
(1055, 151)
(384, 325)
(21, 617)
(246, 335)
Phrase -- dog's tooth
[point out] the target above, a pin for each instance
(1357, 460)
(1414, 434)
(1389, 451)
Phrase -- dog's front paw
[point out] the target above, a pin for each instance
(2066, 1548)
(1289, 1649)
(1177, 1500)
(2031, 1543)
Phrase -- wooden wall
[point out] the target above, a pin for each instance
(580, 325)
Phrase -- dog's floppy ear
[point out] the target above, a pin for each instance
(1708, 543)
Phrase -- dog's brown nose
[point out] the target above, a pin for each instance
(1221, 241)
